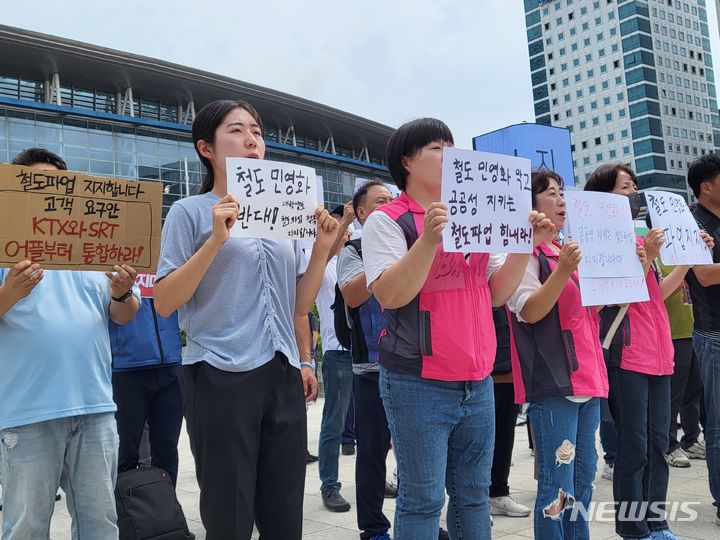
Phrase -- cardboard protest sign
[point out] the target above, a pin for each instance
(277, 200)
(610, 271)
(683, 243)
(489, 201)
(72, 221)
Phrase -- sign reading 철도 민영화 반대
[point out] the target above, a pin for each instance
(72, 221)
(277, 200)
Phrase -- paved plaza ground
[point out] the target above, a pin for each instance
(685, 485)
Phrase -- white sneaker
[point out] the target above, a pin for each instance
(607, 472)
(677, 458)
(696, 451)
(506, 506)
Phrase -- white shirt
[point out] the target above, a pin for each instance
(325, 299)
(384, 244)
(529, 284)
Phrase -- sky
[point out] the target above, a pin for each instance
(463, 61)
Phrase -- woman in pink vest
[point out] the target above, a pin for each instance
(640, 367)
(559, 369)
(438, 350)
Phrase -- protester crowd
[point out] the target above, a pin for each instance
(425, 353)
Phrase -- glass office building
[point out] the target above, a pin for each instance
(632, 79)
(114, 114)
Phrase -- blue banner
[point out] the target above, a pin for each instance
(544, 146)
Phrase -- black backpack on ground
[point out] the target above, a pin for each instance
(147, 506)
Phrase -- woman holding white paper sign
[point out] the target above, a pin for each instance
(237, 298)
(438, 349)
(640, 366)
(559, 369)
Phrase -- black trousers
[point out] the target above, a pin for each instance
(505, 417)
(248, 435)
(373, 443)
(686, 389)
(154, 396)
(640, 405)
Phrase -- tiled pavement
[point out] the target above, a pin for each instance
(685, 485)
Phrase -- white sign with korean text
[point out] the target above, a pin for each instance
(613, 291)
(610, 271)
(277, 200)
(683, 243)
(489, 201)
(602, 224)
(307, 243)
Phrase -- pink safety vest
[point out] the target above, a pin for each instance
(560, 355)
(446, 332)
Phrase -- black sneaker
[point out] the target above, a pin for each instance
(443, 534)
(348, 449)
(333, 501)
(390, 491)
(309, 458)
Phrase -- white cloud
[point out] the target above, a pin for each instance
(464, 61)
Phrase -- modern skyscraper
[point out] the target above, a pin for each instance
(632, 80)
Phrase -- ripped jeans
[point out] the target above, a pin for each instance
(564, 434)
(77, 453)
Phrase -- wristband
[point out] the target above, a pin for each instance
(311, 365)
(124, 298)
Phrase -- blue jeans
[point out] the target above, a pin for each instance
(337, 382)
(348, 434)
(564, 434)
(708, 353)
(443, 435)
(77, 453)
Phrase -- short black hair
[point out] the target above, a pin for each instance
(540, 180)
(703, 169)
(605, 176)
(361, 193)
(33, 156)
(408, 139)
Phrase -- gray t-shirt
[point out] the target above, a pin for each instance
(242, 311)
(349, 265)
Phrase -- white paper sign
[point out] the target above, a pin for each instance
(602, 224)
(277, 200)
(394, 190)
(613, 291)
(489, 201)
(610, 271)
(307, 243)
(683, 243)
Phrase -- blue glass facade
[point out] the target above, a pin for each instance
(152, 145)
